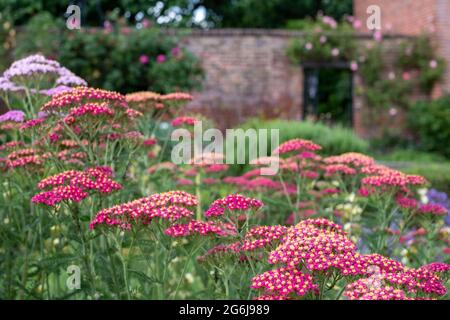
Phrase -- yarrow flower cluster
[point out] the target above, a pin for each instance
(393, 179)
(261, 236)
(82, 95)
(168, 205)
(232, 202)
(333, 169)
(94, 109)
(24, 157)
(284, 281)
(351, 158)
(407, 284)
(202, 228)
(37, 65)
(74, 185)
(434, 209)
(315, 245)
(13, 115)
(190, 121)
(154, 101)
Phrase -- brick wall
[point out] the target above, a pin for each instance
(247, 74)
(408, 17)
(443, 38)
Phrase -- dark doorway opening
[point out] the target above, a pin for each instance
(328, 93)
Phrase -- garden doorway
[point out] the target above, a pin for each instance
(328, 93)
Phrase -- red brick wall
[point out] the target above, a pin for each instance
(247, 74)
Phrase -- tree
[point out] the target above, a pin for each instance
(219, 13)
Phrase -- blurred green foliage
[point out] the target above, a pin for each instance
(218, 13)
(430, 121)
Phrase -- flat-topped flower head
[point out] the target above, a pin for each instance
(284, 281)
(433, 209)
(393, 179)
(67, 79)
(215, 168)
(172, 206)
(297, 145)
(367, 289)
(83, 95)
(436, 267)
(27, 72)
(207, 159)
(143, 96)
(13, 116)
(32, 123)
(405, 202)
(221, 250)
(318, 244)
(233, 202)
(7, 85)
(89, 109)
(166, 166)
(31, 65)
(334, 169)
(59, 194)
(24, 157)
(74, 185)
(11, 145)
(378, 169)
(405, 284)
(177, 97)
(180, 121)
(202, 228)
(353, 159)
(262, 236)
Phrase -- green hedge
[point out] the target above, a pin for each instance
(334, 140)
(431, 121)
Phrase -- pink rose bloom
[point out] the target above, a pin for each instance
(357, 24)
(392, 112)
(176, 51)
(323, 39)
(161, 58)
(354, 66)
(377, 35)
(330, 21)
(143, 59)
(309, 46)
(107, 25)
(145, 23)
(125, 30)
(391, 75)
(406, 76)
(335, 52)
